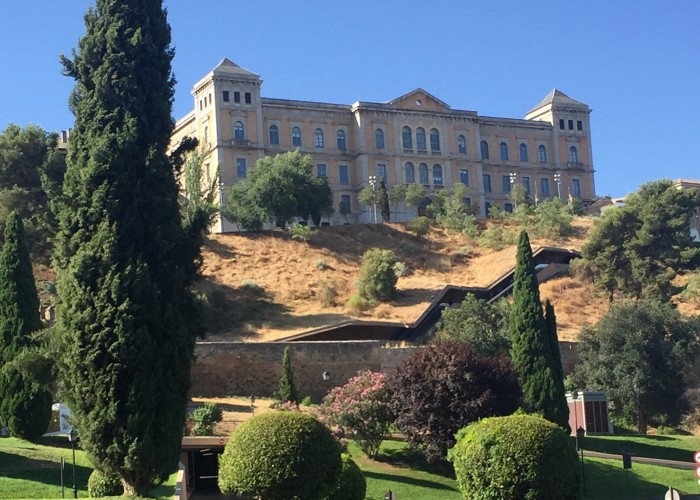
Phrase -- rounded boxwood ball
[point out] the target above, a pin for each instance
(518, 456)
(351, 484)
(280, 455)
(104, 484)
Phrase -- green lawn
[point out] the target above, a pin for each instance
(31, 470)
(667, 447)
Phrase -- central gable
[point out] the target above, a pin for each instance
(419, 100)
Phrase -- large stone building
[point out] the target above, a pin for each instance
(415, 138)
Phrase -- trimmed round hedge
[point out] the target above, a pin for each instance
(518, 456)
(280, 455)
(104, 484)
(351, 484)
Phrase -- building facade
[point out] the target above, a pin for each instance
(415, 138)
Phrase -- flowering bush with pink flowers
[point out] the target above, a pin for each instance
(361, 409)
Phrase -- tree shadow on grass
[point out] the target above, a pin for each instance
(42, 471)
(605, 481)
(397, 478)
(657, 447)
(412, 458)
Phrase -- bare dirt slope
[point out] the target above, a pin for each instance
(266, 286)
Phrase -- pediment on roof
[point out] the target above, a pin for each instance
(419, 100)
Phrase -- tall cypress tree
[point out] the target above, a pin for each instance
(384, 202)
(286, 390)
(560, 407)
(127, 319)
(25, 402)
(531, 352)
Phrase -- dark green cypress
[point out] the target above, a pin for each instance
(531, 353)
(286, 390)
(25, 402)
(127, 320)
(560, 407)
(384, 202)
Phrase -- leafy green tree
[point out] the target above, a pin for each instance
(445, 386)
(317, 202)
(127, 320)
(280, 455)
(482, 325)
(636, 250)
(553, 219)
(25, 399)
(637, 353)
(397, 195)
(241, 209)
(205, 419)
(531, 351)
(377, 277)
(415, 195)
(31, 175)
(200, 192)
(453, 213)
(546, 464)
(286, 390)
(383, 196)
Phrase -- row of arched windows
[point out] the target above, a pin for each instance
(319, 141)
(423, 174)
(407, 139)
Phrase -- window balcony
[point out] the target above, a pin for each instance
(575, 165)
(435, 153)
(423, 152)
(408, 151)
(243, 143)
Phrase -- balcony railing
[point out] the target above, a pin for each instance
(241, 143)
(407, 151)
(435, 153)
(423, 152)
(576, 165)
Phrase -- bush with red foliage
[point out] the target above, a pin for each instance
(444, 387)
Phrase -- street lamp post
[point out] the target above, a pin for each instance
(513, 177)
(73, 438)
(557, 179)
(580, 432)
(373, 182)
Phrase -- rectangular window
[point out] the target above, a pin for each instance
(571, 124)
(579, 125)
(320, 170)
(247, 98)
(381, 172)
(464, 176)
(544, 186)
(576, 187)
(505, 183)
(343, 174)
(508, 207)
(200, 105)
(526, 183)
(241, 168)
(487, 208)
(467, 202)
(225, 95)
(236, 97)
(345, 207)
(561, 123)
(487, 183)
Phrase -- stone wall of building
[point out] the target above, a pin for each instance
(237, 368)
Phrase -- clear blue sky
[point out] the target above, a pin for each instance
(636, 63)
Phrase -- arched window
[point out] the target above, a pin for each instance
(542, 154)
(410, 173)
(206, 135)
(379, 138)
(420, 139)
(407, 138)
(274, 134)
(573, 154)
(238, 131)
(296, 137)
(504, 151)
(484, 150)
(462, 144)
(318, 138)
(437, 174)
(423, 174)
(523, 152)
(434, 139)
(340, 139)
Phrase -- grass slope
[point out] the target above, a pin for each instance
(33, 470)
(679, 448)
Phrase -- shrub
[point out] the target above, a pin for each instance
(400, 269)
(321, 265)
(419, 226)
(104, 484)
(25, 406)
(553, 219)
(351, 484)
(307, 401)
(377, 278)
(205, 419)
(280, 455)
(301, 232)
(358, 303)
(252, 286)
(361, 408)
(496, 237)
(445, 386)
(470, 228)
(519, 456)
(328, 294)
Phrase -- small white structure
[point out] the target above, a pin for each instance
(60, 420)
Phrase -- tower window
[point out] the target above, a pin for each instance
(561, 124)
(579, 125)
(225, 95)
(236, 96)
(571, 124)
(248, 98)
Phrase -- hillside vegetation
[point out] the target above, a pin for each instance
(264, 286)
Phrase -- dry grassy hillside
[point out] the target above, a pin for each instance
(266, 286)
